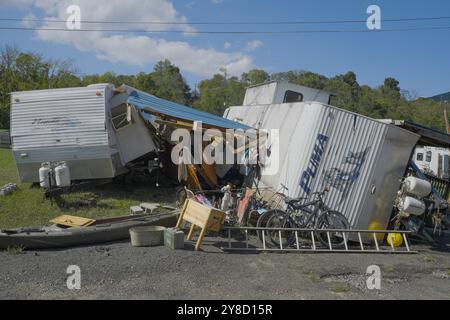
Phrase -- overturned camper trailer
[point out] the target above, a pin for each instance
(273, 92)
(360, 159)
(92, 128)
(98, 130)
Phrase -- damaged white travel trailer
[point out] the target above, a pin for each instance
(360, 159)
(282, 92)
(93, 129)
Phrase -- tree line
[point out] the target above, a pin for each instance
(20, 71)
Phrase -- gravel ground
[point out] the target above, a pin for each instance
(120, 271)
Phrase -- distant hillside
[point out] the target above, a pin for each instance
(441, 97)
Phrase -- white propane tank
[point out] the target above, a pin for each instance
(44, 175)
(62, 175)
(412, 206)
(417, 187)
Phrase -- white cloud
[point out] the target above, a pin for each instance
(132, 48)
(216, 1)
(29, 21)
(253, 45)
(227, 45)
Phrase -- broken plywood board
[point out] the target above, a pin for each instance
(72, 221)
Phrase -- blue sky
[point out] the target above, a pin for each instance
(419, 59)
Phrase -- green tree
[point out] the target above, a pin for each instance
(391, 84)
(303, 78)
(220, 92)
(20, 71)
(255, 76)
(169, 84)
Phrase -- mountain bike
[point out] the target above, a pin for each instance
(303, 214)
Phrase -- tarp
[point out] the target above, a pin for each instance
(152, 104)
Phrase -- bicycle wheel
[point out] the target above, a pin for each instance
(262, 220)
(280, 238)
(182, 195)
(332, 220)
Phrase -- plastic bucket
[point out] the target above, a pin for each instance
(147, 236)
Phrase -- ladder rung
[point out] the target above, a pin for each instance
(329, 241)
(279, 237)
(264, 239)
(313, 241)
(360, 241)
(392, 243)
(246, 238)
(296, 240)
(345, 241)
(406, 242)
(376, 242)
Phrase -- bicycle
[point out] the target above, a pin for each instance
(304, 214)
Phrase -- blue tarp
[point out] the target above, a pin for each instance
(151, 103)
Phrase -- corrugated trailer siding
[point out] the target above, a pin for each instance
(348, 134)
(72, 117)
(348, 162)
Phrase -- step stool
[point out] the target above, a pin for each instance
(149, 206)
(136, 210)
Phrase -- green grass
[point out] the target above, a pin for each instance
(389, 268)
(428, 258)
(339, 287)
(27, 206)
(15, 250)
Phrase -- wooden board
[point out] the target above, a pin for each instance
(72, 221)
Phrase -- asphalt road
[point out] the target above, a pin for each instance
(120, 271)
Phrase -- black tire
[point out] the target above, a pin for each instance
(262, 221)
(285, 238)
(332, 220)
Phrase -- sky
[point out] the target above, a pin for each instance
(419, 59)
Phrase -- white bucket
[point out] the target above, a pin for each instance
(147, 236)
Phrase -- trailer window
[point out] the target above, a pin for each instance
(120, 116)
(419, 157)
(292, 96)
(428, 156)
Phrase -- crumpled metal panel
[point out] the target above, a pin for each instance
(145, 101)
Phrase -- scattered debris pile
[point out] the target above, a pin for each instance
(7, 189)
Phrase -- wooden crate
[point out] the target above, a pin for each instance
(201, 216)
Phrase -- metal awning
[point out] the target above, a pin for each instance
(167, 109)
(428, 136)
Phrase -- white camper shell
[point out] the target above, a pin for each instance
(92, 129)
(433, 160)
(360, 159)
(283, 92)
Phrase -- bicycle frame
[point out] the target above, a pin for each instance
(318, 206)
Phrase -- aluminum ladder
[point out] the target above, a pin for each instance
(350, 245)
